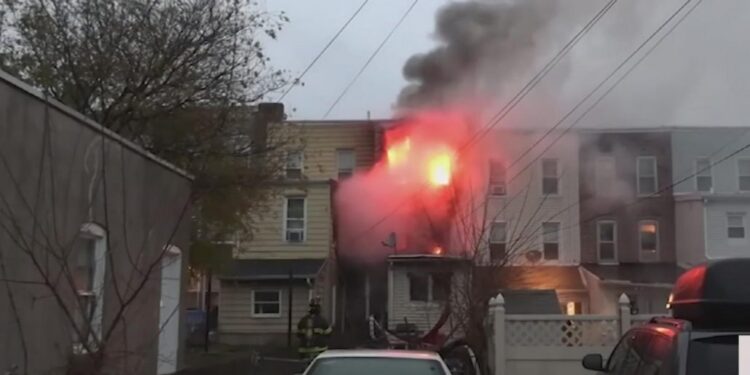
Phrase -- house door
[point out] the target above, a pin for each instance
(169, 313)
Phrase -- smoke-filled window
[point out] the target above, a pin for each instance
(418, 287)
(606, 239)
(703, 179)
(550, 177)
(743, 166)
(498, 241)
(295, 219)
(604, 175)
(736, 225)
(294, 164)
(649, 239)
(346, 161)
(647, 179)
(497, 178)
(551, 237)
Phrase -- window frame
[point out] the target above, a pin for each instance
(739, 174)
(599, 241)
(657, 252)
(557, 176)
(558, 243)
(638, 175)
(426, 276)
(698, 174)
(339, 151)
(741, 215)
(285, 223)
(493, 183)
(301, 165)
(504, 242)
(280, 299)
(430, 284)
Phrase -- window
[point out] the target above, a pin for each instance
(346, 160)
(295, 219)
(294, 164)
(550, 177)
(606, 241)
(649, 239)
(646, 170)
(743, 167)
(498, 241)
(497, 178)
(703, 180)
(266, 303)
(87, 271)
(736, 225)
(441, 286)
(418, 287)
(604, 175)
(573, 308)
(551, 238)
(431, 287)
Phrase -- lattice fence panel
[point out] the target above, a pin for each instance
(561, 333)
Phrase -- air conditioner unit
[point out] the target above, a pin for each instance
(498, 190)
(295, 236)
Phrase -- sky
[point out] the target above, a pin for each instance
(700, 74)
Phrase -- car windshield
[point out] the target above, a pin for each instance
(717, 355)
(376, 366)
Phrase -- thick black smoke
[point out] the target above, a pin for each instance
(482, 44)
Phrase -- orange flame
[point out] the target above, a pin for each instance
(398, 152)
(437, 250)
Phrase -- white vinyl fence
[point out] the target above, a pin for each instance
(553, 344)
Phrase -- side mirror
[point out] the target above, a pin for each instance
(593, 362)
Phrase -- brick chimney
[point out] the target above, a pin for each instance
(265, 114)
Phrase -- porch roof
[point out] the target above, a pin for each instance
(272, 269)
(636, 273)
(533, 277)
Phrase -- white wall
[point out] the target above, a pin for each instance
(690, 144)
(524, 203)
(718, 244)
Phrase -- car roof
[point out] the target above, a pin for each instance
(375, 353)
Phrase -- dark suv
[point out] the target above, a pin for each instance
(711, 308)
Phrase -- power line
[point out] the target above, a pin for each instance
(325, 48)
(600, 85)
(372, 57)
(521, 94)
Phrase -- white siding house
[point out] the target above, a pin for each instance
(537, 206)
(712, 193)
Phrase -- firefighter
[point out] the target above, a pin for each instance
(313, 332)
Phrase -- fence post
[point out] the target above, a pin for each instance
(497, 311)
(625, 316)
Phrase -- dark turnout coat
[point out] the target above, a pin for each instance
(313, 332)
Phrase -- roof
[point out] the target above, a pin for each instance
(413, 354)
(272, 269)
(15, 82)
(531, 302)
(656, 274)
(533, 277)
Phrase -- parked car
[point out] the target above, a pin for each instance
(377, 362)
(710, 307)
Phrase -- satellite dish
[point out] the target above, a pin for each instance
(533, 256)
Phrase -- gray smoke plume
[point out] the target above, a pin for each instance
(481, 45)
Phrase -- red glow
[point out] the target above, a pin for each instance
(399, 152)
(437, 250)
